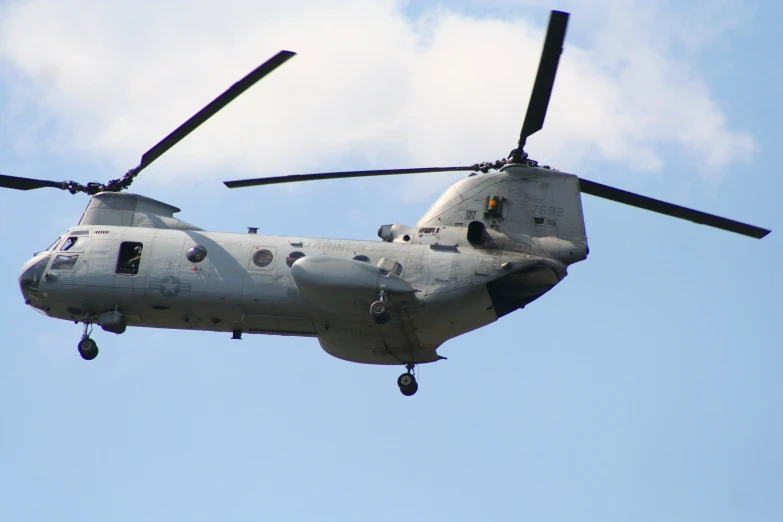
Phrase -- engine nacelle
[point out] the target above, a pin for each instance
(396, 233)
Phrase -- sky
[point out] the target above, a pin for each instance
(646, 386)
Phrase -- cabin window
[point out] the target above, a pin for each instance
(64, 261)
(262, 258)
(196, 254)
(130, 258)
(293, 257)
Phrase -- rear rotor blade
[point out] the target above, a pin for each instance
(210, 110)
(669, 209)
(545, 78)
(29, 183)
(339, 175)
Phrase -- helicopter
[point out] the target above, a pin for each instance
(493, 243)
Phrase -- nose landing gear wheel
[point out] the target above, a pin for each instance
(379, 311)
(407, 383)
(88, 349)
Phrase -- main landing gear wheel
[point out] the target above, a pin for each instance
(379, 311)
(407, 382)
(88, 349)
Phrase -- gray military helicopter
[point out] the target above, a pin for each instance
(493, 243)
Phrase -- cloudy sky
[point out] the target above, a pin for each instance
(645, 387)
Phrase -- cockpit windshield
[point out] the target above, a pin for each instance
(54, 244)
(30, 281)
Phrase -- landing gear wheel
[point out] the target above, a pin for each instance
(380, 312)
(410, 390)
(407, 383)
(406, 379)
(88, 349)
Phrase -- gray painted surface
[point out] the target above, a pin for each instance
(440, 285)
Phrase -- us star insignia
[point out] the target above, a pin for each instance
(170, 286)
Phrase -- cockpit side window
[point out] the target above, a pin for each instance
(64, 262)
(129, 259)
(74, 244)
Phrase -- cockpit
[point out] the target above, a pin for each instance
(61, 255)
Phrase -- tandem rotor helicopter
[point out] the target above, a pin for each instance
(493, 243)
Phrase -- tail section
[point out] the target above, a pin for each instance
(522, 208)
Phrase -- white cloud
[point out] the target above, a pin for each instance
(370, 87)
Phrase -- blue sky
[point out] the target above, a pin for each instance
(645, 387)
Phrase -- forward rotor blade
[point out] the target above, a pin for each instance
(545, 78)
(29, 183)
(210, 110)
(338, 175)
(669, 209)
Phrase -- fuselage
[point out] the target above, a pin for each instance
(161, 273)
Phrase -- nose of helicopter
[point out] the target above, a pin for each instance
(30, 280)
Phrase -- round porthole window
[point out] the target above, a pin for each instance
(292, 257)
(262, 258)
(363, 259)
(196, 254)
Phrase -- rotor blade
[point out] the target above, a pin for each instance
(669, 209)
(210, 110)
(29, 183)
(338, 175)
(545, 78)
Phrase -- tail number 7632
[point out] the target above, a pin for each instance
(543, 210)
